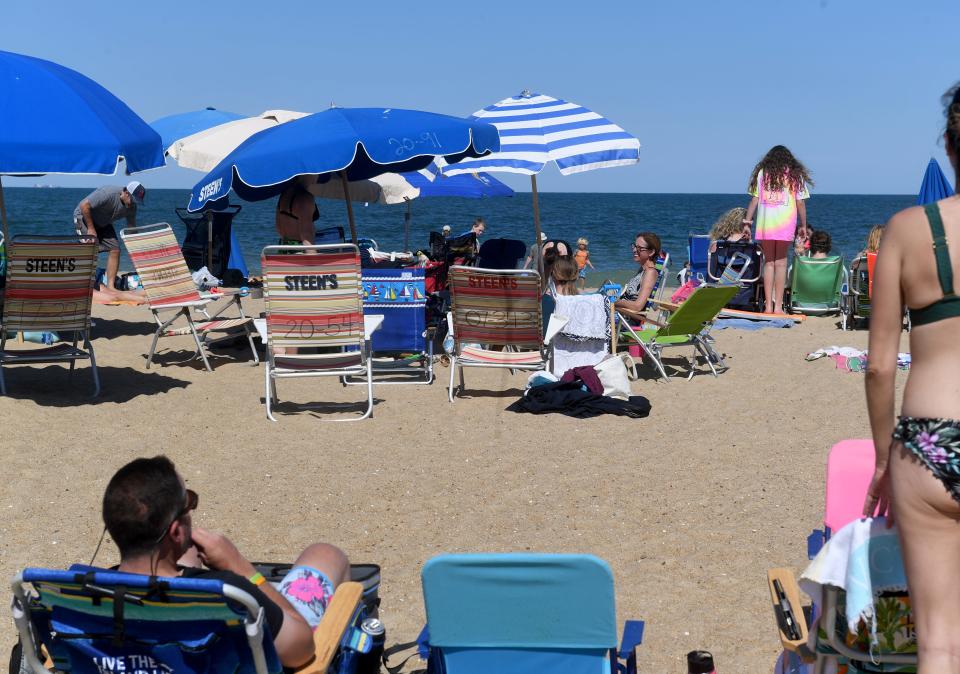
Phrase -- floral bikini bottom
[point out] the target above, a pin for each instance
(936, 444)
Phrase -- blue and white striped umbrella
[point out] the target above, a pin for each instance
(535, 129)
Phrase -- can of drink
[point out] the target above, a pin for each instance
(700, 662)
(369, 663)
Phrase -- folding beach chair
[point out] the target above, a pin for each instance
(329, 235)
(815, 285)
(495, 308)
(169, 288)
(686, 326)
(743, 258)
(523, 612)
(850, 467)
(698, 253)
(91, 621)
(49, 288)
(855, 294)
(404, 344)
(314, 317)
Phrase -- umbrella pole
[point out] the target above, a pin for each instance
(406, 228)
(3, 217)
(210, 242)
(346, 197)
(536, 225)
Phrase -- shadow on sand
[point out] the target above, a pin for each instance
(53, 386)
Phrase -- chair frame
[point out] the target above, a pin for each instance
(814, 311)
(273, 372)
(182, 309)
(457, 362)
(64, 353)
(329, 636)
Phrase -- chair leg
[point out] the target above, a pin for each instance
(269, 392)
(196, 338)
(93, 367)
(3, 383)
(153, 346)
(253, 348)
(706, 356)
(453, 368)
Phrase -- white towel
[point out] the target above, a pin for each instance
(588, 315)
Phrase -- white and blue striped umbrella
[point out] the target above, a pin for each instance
(535, 129)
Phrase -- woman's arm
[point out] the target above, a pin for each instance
(639, 305)
(802, 215)
(886, 322)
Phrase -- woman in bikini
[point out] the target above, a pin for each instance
(917, 475)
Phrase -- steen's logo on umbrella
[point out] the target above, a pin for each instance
(210, 189)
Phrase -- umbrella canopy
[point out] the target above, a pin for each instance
(203, 150)
(55, 120)
(398, 188)
(175, 127)
(934, 186)
(536, 129)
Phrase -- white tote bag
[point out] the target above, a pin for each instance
(613, 374)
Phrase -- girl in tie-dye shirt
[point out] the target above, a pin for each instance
(779, 187)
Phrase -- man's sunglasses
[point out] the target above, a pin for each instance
(191, 501)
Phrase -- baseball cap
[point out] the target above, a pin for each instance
(136, 190)
(543, 237)
(446, 228)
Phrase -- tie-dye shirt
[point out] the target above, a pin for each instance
(776, 211)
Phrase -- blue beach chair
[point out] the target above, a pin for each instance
(522, 612)
(698, 250)
(403, 345)
(103, 622)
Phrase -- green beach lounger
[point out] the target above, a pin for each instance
(815, 285)
(686, 326)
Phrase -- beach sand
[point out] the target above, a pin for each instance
(690, 506)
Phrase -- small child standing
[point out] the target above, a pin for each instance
(582, 256)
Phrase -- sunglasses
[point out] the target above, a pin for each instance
(190, 503)
(636, 247)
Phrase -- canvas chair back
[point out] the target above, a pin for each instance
(871, 266)
(816, 281)
(159, 262)
(160, 625)
(662, 266)
(699, 309)
(698, 249)
(49, 283)
(512, 612)
(313, 296)
(496, 307)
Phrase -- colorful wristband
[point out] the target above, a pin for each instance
(257, 579)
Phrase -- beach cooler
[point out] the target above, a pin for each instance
(401, 345)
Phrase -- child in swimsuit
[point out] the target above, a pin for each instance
(582, 257)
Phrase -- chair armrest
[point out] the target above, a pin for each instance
(792, 590)
(336, 620)
(632, 637)
(554, 326)
(666, 306)
(180, 305)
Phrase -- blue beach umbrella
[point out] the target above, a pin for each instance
(466, 185)
(174, 127)
(536, 129)
(934, 186)
(55, 120)
(353, 143)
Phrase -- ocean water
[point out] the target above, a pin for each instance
(609, 221)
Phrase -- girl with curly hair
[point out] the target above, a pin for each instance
(779, 186)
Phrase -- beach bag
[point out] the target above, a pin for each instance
(681, 294)
(613, 374)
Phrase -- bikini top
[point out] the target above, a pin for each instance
(947, 306)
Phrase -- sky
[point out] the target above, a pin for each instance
(852, 87)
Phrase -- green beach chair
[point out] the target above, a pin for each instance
(687, 326)
(815, 285)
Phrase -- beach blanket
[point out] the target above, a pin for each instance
(850, 359)
(572, 400)
(749, 324)
(863, 559)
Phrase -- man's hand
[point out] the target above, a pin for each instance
(218, 552)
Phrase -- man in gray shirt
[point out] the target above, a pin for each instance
(96, 214)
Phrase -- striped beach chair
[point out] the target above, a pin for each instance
(314, 317)
(495, 308)
(49, 289)
(159, 262)
(93, 621)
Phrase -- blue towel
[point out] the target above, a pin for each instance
(750, 324)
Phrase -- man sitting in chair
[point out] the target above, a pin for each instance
(147, 510)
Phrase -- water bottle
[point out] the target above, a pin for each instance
(448, 343)
(700, 662)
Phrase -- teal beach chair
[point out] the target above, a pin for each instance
(522, 612)
(92, 621)
(815, 285)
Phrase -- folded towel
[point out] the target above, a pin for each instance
(863, 558)
(588, 316)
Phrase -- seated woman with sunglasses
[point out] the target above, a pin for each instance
(147, 510)
(638, 290)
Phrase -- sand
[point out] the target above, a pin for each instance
(689, 506)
